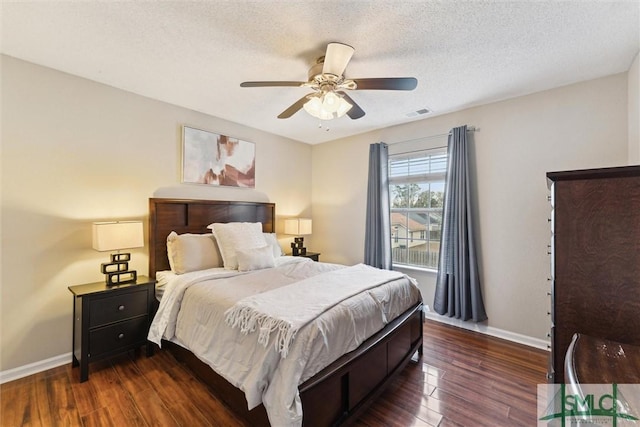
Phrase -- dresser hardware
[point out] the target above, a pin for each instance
(121, 308)
(120, 336)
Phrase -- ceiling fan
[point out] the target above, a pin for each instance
(326, 77)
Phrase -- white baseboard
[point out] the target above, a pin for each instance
(34, 368)
(488, 330)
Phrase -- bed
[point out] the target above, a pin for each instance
(336, 393)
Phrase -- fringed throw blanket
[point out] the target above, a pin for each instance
(287, 309)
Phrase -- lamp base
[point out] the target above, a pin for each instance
(297, 247)
(121, 277)
(117, 271)
(299, 251)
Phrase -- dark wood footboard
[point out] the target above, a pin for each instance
(341, 391)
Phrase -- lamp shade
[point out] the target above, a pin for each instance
(110, 236)
(297, 226)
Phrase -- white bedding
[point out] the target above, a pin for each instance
(192, 314)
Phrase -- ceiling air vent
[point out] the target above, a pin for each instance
(419, 112)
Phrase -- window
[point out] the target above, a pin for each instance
(416, 188)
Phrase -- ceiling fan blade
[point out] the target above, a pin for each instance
(271, 84)
(355, 112)
(387, 83)
(336, 58)
(294, 108)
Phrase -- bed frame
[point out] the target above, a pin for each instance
(338, 394)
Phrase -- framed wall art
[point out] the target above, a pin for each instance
(213, 159)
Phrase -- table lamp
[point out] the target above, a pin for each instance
(114, 236)
(297, 227)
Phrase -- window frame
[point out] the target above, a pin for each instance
(437, 161)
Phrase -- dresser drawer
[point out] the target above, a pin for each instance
(118, 307)
(114, 337)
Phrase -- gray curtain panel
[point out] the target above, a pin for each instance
(377, 240)
(458, 291)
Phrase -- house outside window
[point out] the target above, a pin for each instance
(416, 188)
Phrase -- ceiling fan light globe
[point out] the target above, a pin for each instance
(313, 106)
(343, 108)
(326, 115)
(326, 105)
(330, 102)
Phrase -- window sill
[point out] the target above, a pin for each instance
(414, 268)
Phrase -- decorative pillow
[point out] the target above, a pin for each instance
(272, 241)
(255, 259)
(233, 236)
(191, 252)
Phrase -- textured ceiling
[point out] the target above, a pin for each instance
(195, 54)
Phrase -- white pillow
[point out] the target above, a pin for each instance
(233, 236)
(255, 259)
(272, 241)
(192, 252)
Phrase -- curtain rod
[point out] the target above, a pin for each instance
(469, 129)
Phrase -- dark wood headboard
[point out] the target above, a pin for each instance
(193, 216)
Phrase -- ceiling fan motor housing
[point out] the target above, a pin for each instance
(325, 82)
(316, 74)
(316, 69)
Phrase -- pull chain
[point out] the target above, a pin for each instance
(320, 126)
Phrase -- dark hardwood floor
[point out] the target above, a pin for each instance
(463, 379)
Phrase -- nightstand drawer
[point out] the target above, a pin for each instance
(117, 336)
(118, 307)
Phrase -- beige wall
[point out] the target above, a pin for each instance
(74, 151)
(634, 111)
(573, 127)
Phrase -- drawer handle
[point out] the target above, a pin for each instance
(120, 336)
(121, 308)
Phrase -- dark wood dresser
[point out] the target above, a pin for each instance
(595, 258)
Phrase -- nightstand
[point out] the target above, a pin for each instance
(313, 255)
(109, 320)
